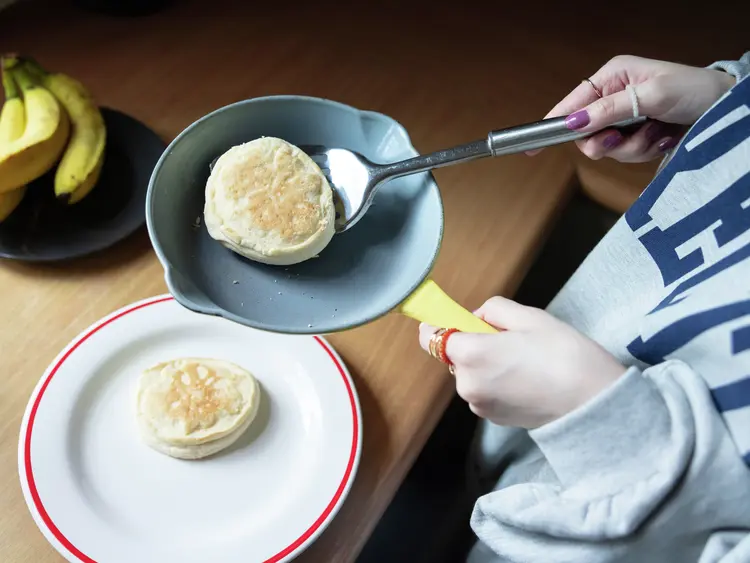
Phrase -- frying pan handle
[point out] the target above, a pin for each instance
(431, 305)
(187, 294)
(540, 134)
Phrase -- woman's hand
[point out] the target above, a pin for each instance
(674, 95)
(535, 371)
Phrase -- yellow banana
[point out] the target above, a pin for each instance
(12, 118)
(80, 166)
(43, 140)
(12, 123)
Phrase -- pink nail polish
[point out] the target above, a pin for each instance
(612, 140)
(655, 131)
(667, 144)
(578, 119)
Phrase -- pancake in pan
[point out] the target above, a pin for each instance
(268, 201)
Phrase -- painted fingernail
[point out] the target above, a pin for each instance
(612, 140)
(668, 143)
(577, 120)
(655, 132)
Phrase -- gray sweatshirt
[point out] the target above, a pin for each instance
(657, 467)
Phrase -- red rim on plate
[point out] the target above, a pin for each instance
(55, 531)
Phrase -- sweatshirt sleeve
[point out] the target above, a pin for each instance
(727, 547)
(739, 69)
(640, 468)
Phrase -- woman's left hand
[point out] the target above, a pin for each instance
(534, 371)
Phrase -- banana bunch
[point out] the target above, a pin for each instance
(12, 124)
(47, 120)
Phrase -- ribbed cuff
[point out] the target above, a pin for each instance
(739, 69)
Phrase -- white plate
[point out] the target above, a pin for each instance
(99, 494)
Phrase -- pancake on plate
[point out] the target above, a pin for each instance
(191, 408)
(268, 201)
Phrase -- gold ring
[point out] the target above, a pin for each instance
(434, 341)
(598, 92)
(437, 345)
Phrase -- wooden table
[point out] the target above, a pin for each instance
(174, 67)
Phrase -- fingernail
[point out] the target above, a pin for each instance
(577, 120)
(655, 132)
(666, 144)
(612, 140)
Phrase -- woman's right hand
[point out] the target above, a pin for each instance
(672, 95)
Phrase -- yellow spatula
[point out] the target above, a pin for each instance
(430, 304)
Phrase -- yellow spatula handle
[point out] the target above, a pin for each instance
(430, 304)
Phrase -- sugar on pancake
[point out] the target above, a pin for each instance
(270, 202)
(194, 407)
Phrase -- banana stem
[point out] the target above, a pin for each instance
(7, 62)
(24, 79)
(34, 67)
(9, 86)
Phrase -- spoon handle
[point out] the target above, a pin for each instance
(520, 138)
(540, 134)
(437, 159)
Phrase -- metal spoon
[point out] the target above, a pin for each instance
(355, 179)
